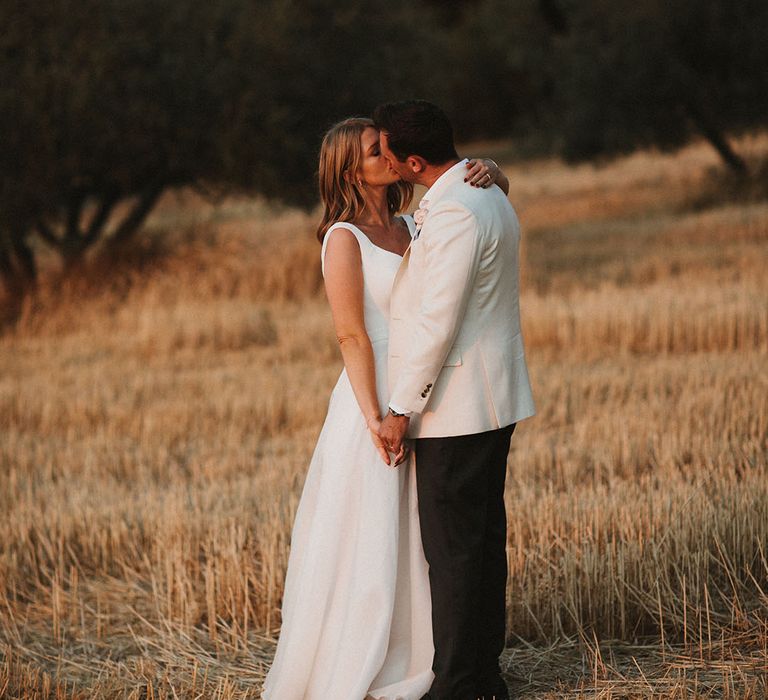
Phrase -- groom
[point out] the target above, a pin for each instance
(458, 385)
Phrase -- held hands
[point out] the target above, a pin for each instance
(392, 434)
(482, 172)
(400, 454)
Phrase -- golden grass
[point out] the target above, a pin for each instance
(157, 419)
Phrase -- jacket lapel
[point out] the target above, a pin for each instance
(403, 265)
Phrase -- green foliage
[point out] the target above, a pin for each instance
(606, 76)
(104, 100)
(490, 71)
(306, 65)
(653, 73)
(112, 95)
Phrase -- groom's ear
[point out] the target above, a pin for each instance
(416, 163)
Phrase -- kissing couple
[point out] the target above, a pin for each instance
(396, 579)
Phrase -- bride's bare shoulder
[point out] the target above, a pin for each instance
(341, 250)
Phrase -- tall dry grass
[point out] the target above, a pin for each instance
(157, 419)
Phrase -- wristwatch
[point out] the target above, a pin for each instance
(394, 413)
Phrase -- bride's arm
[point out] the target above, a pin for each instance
(476, 174)
(344, 288)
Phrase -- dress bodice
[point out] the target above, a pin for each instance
(379, 269)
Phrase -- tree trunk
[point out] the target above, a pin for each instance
(17, 271)
(715, 136)
(26, 260)
(74, 243)
(8, 271)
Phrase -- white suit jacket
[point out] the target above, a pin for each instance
(456, 355)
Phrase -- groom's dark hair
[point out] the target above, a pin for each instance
(416, 128)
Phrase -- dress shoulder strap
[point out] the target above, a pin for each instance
(410, 223)
(350, 227)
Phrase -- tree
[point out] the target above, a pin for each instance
(105, 102)
(604, 77)
(655, 73)
(102, 103)
(490, 69)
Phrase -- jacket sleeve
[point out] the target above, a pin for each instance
(450, 259)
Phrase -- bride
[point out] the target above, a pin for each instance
(356, 610)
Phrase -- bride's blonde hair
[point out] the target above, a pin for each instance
(341, 157)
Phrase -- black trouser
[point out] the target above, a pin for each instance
(460, 484)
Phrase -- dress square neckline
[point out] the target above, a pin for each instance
(391, 252)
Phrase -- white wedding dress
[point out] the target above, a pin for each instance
(356, 611)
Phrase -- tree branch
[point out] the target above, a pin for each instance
(137, 215)
(7, 268)
(715, 136)
(75, 207)
(17, 266)
(47, 234)
(97, 223)
(26, 258)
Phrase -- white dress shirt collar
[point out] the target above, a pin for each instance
(442, 183)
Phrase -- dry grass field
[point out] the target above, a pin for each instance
(157, 419)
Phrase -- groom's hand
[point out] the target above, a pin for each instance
(392, 433)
